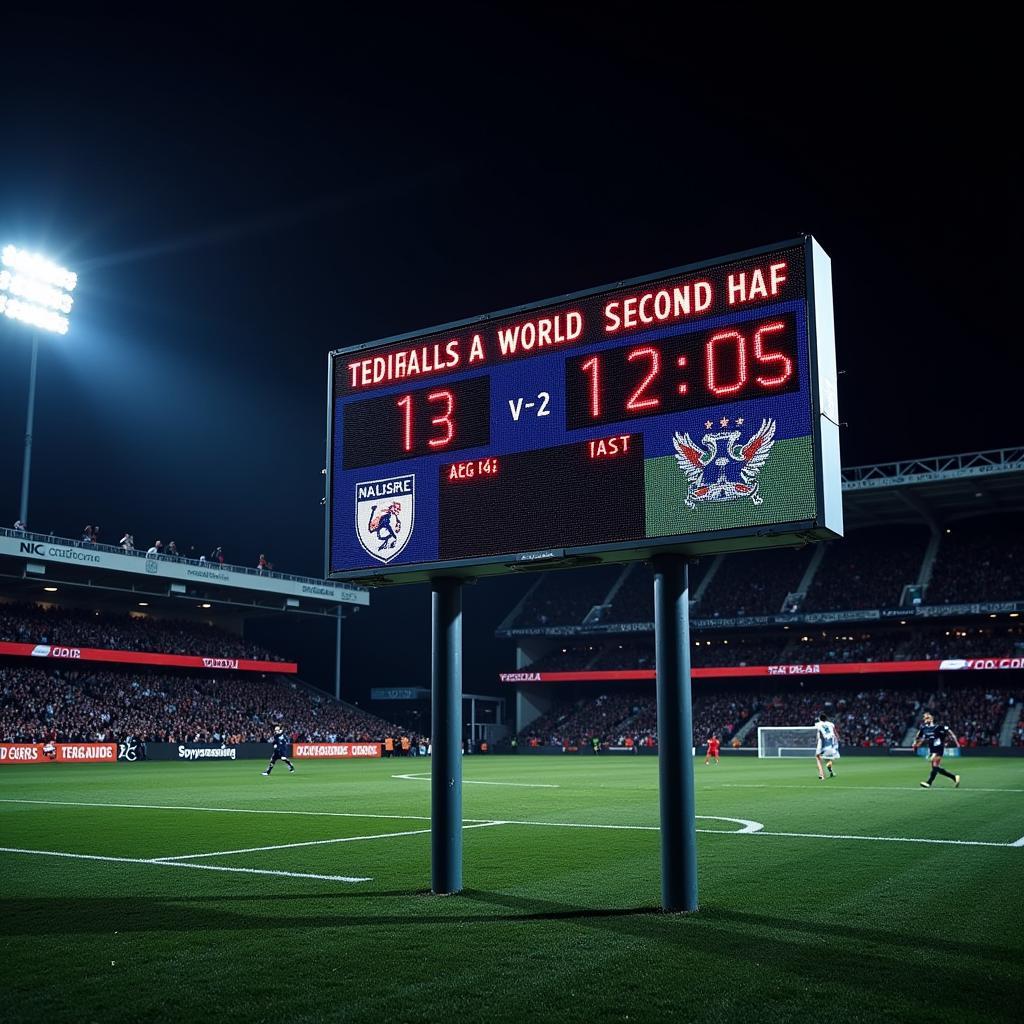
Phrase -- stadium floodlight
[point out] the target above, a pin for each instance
(34, 290)
(37, 292)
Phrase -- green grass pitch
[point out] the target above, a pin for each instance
(799, 920)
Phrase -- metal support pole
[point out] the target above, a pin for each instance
(472, 722)
(675, 734)
(337, 655)
(446, 736)
(27, 464)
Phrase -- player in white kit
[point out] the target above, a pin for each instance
(827, 749)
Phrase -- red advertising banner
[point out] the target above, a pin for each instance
(310, 750)
(745, 671)
(144, 658)
(64, 753)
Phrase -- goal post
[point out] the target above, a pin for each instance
(787, 741)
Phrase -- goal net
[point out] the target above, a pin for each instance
(787, 741)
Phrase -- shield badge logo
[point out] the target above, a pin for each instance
(385, 514)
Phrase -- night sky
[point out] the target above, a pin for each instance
(240, 197)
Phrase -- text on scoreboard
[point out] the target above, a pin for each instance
(693, 410)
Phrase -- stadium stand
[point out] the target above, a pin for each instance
(868, 569)
(979, 560)
(566, 598)
(26, 623)
(754, 584)
(163, 707)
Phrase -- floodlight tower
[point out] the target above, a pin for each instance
(35, 292)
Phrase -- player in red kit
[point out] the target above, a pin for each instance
(712, 750)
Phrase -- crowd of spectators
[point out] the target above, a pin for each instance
(975, 714)
(867, 569)
(162, 707)
(630, 719)
(866, 718)
(963, 642)
(979, 561)
(91, 536)
(565, 598)
(76, 627)
(754, 583)
(634, 599)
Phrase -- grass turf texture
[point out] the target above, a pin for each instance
(555, 922)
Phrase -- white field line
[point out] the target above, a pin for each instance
(759, 831)
(425, 777)
(858, 789)
(553, 824)
(226, 810)
(179, 864)
(747, 827)
(311, 842)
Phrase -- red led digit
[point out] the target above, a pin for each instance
(681, 363)
(444, 419)
(711, 372)
(592, 367)
(406, 402)
(635, 401)
(784, 363)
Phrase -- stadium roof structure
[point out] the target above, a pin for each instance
(935, 491)
(30, 561)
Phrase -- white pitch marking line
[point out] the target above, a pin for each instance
(1019, 842)
(180, 864)
(225, 810)
(311, 842)
(748, 827)
(889, 839)
(425, 777)
(856, 789)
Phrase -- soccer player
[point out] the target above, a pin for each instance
(934, 735)
(827, 748)
(712, 750)
(280, 751)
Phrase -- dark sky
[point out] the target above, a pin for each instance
(240, 197)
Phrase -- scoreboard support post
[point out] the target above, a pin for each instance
(446, 736)
(675, 734)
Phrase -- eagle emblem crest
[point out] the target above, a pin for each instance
(725, 468)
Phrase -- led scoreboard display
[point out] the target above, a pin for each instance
(692, 411)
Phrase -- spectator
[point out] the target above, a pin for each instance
(156, 549)
(263, 565)
(88, 535)
(172, 550)
(127, 542)
(217, 555)
(19, 525)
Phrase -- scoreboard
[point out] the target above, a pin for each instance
(691, 411)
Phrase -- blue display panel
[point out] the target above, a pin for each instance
(692, 410)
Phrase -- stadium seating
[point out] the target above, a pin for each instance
(162, 707)
(75, 627)
(867, 569)
(979, 560)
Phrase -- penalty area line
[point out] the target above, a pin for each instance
(311, 842)
(425, 777)
(182, 864)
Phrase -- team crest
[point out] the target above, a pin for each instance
(726, 468)
(385, 511)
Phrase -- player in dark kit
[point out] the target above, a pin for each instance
(280, 752)
(934, 735)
